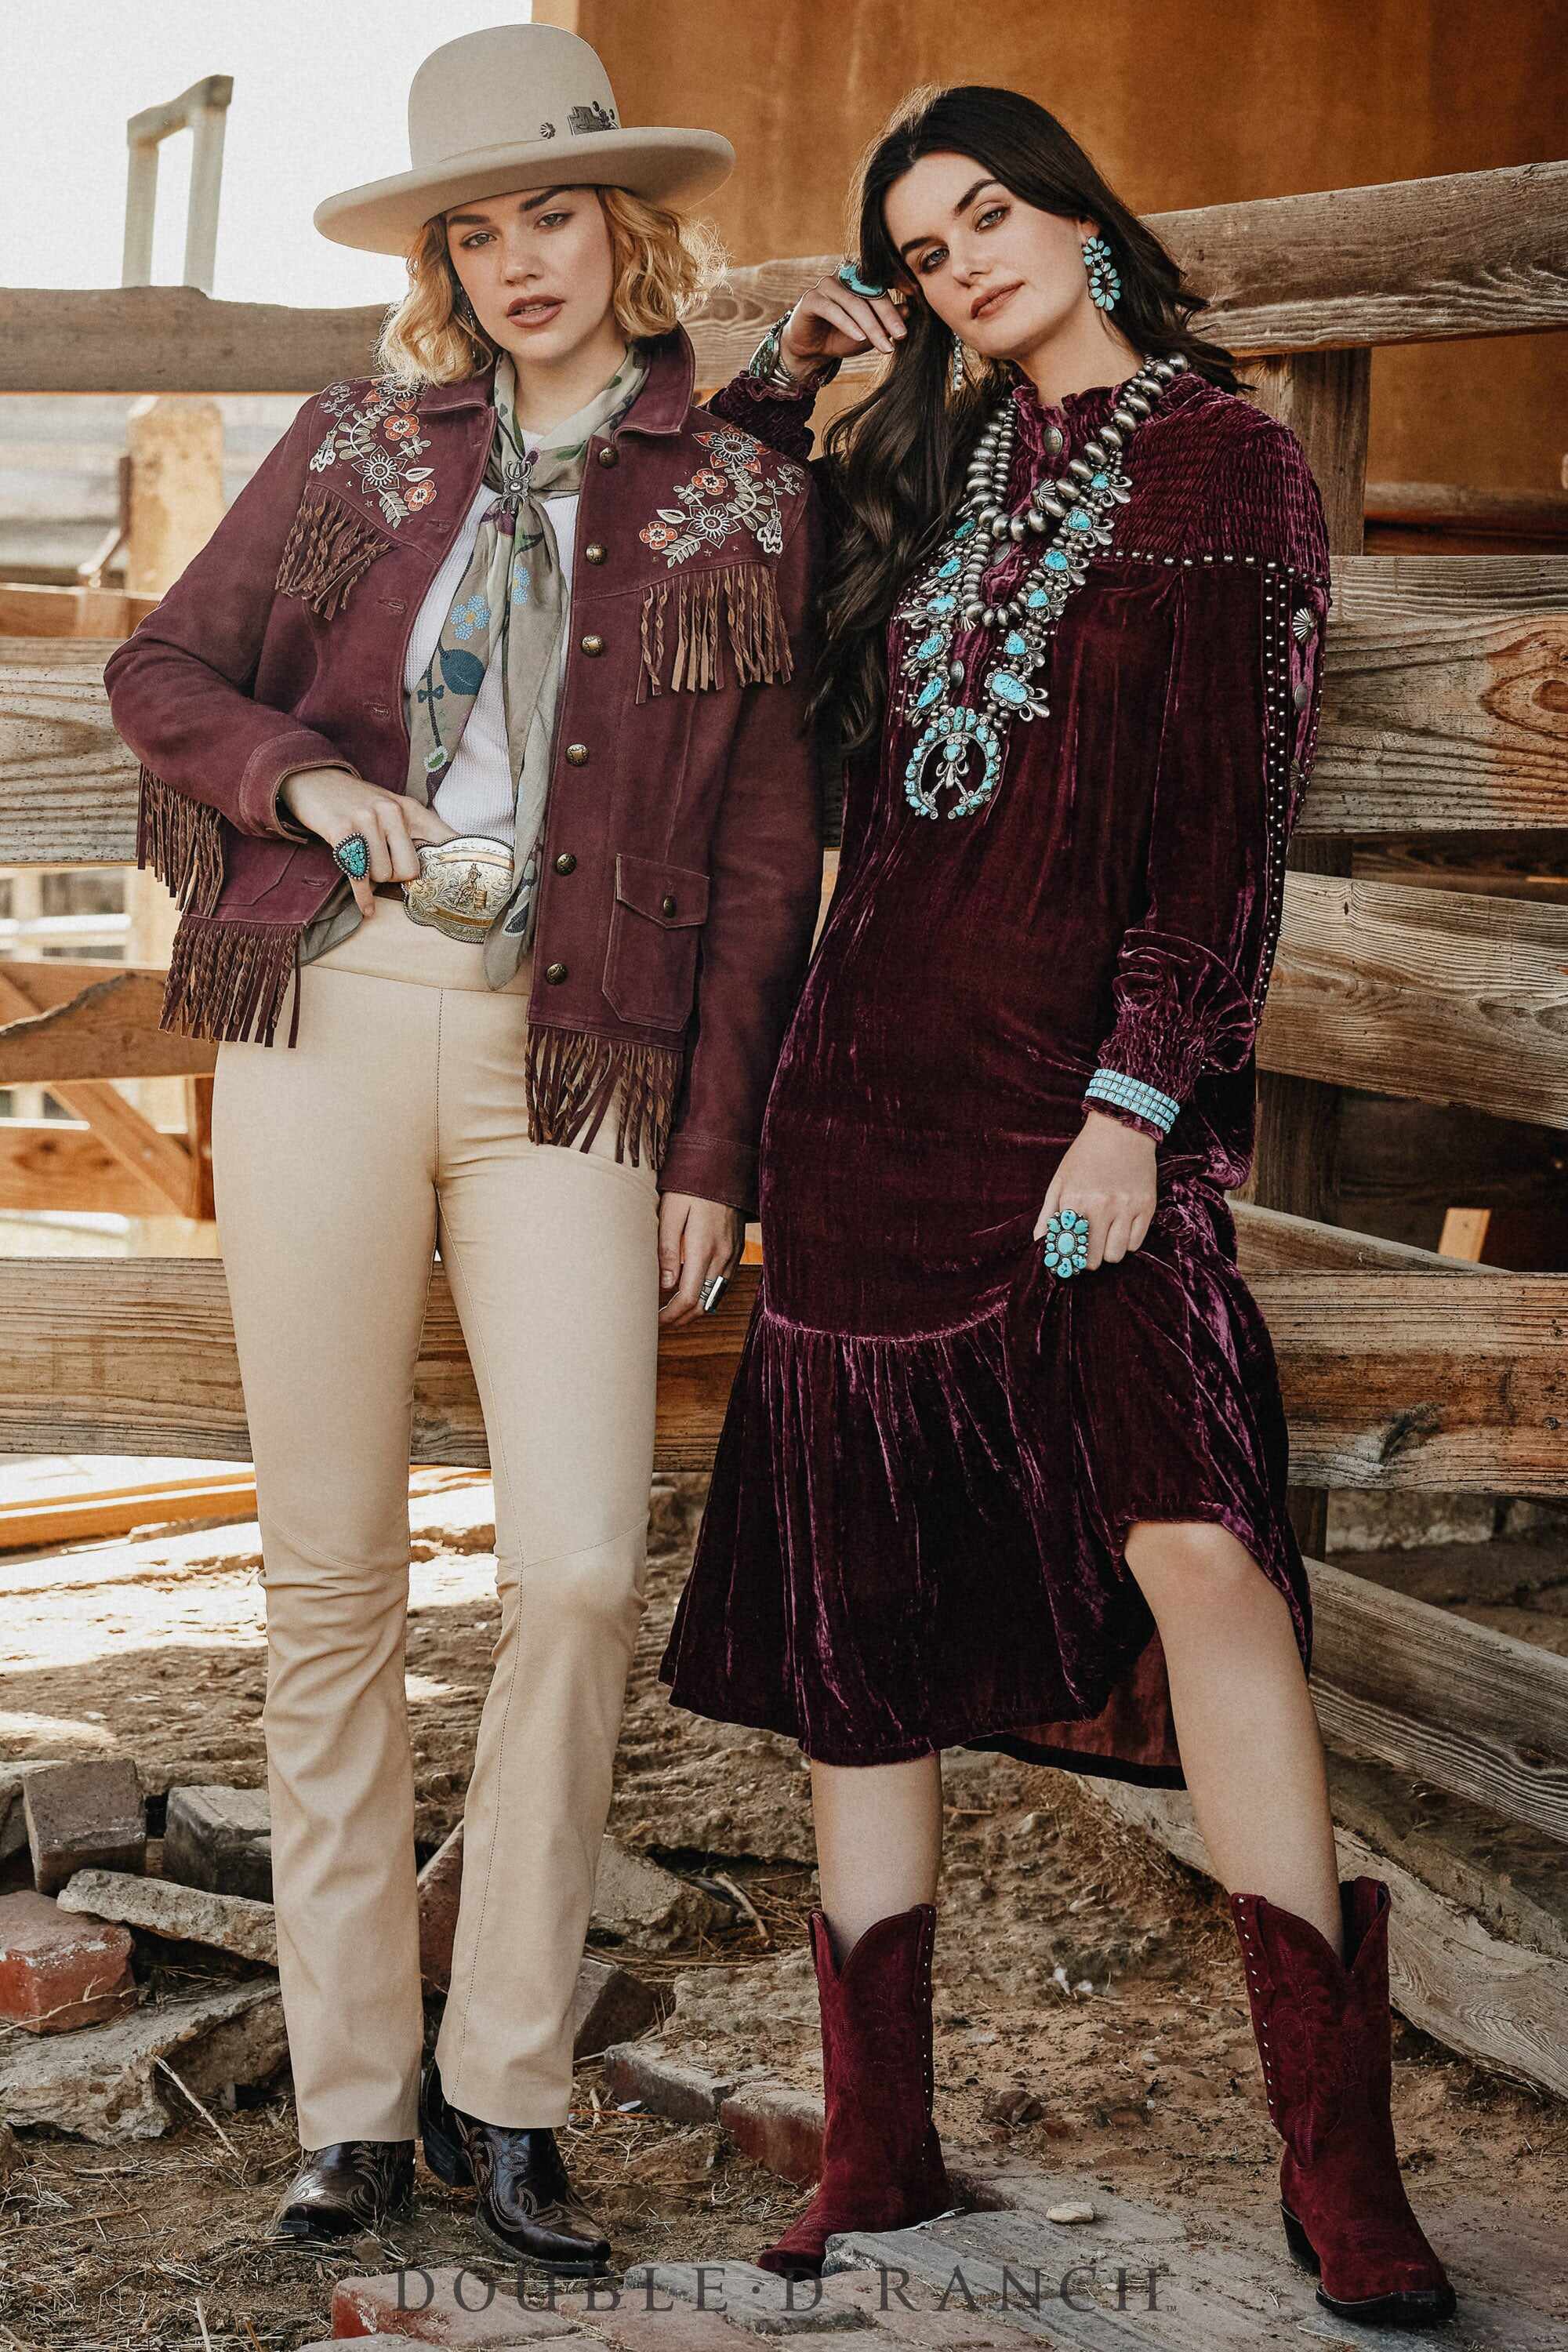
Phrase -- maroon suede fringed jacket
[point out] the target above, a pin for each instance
(682, 852)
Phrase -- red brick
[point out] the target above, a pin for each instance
(448, 2306)
(781, 2129)
(86, 1816)
(60, 1969)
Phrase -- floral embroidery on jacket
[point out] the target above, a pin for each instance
(730, 493)
(377, 433)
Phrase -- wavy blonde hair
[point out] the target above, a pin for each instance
(665, 266)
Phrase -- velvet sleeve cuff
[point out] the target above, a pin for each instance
(780, 418)
(1179, 1007)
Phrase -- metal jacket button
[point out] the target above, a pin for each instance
(554, 973)
(608, 456)
(593, 552)
(592, 644)
(668, 905)
(577, 754)
(566, 863)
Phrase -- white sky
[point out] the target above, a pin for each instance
(321, 98)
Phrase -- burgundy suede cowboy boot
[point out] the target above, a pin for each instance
(1323, 2034)
(881, 2158)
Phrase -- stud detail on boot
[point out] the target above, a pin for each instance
(1324, 2032)
(882, 2160)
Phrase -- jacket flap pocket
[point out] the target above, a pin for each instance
(672, 895)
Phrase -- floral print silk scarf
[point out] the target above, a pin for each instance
(510, 606)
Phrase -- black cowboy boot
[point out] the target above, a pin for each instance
(346, 2187)
(526, 2203)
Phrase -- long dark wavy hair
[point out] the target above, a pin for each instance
(898, 456)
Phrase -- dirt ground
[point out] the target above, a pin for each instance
(1146, 2081)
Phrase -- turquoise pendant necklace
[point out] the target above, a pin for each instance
(963, 747)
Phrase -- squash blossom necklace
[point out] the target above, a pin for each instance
(946, 598)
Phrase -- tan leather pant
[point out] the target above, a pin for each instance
(395, 1124)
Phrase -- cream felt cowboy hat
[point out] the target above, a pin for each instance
(517, 106)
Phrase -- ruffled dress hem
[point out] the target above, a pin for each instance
(1013, 1739)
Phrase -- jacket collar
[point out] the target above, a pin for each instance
(665, 402)
(661, 406)
(469, 392)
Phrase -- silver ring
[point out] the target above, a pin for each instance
(353, 853)
(713, 1290)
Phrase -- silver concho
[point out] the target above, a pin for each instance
(463, 885)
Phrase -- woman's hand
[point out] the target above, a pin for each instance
(1108, 1174)
(828, 322)
(696, 1239)
(333, 803)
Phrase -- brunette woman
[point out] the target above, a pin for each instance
(450, 727)
(1005, 1463)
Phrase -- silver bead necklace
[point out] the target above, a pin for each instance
(1070, 514)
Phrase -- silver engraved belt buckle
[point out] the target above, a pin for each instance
(463, 885)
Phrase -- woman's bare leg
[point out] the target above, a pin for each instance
(878, 1841)
(1251, 1749)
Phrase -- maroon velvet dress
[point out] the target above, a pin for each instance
(935, 1449)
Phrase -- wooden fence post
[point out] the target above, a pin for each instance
(174, 505)
(1324, 398)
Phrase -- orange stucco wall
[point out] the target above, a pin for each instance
(1181, 102)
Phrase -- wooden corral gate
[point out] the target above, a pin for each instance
(1445, 719)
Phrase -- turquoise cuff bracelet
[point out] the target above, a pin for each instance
(1122, 1093)
(767, 366)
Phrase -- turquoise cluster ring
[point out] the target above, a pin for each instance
(1067, 1243)
(353, 853)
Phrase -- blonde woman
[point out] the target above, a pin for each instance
(480, 721)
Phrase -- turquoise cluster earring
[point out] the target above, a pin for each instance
(1104, 285)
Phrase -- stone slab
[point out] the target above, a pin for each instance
(104, 2082)
(755, 2301)
(666, 2085)
(161, 1906)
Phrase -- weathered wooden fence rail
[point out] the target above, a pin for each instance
(1415, 261)
(1444, 709)
(1396, 1375)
